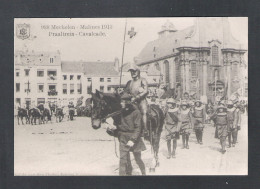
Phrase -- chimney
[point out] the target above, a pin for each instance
(116, 64)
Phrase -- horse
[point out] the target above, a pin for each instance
(34, 114)
(71, 113)
(46, 115)
(105, 104)
(59, 114)
(22, 112)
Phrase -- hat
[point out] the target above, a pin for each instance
(184, 103)
(171, 100)
(221, 106)
(126, 96)
(133, 67)
(229, 102)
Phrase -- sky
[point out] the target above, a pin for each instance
(110, 45)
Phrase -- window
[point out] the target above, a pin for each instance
(51, 60)
(40, 100)
(102, 88)
(52, 75)
(18, 101)
(40, 73)
(178, 71)
(108, 89)
(235, 70)
(64, 89)
(108, 79)
(216, 74)
(79, 77)
(215, 59)
(89, 79)
(64, 77)
(40, 88)
(26, 72)
(17, 87)
(101, 79)
(193, 69)
(89, 89)
(79, 88)
(71, 88)
(17, 74)
(167, 72)
(71, 77)
(27, 87)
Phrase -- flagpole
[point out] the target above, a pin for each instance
(123, 54)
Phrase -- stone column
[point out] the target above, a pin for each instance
(229, 78)
(205, 77)
(183, 83)
(187, 76)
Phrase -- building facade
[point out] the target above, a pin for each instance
(37, 76)
(204, 60)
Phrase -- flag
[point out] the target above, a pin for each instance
(131, 35)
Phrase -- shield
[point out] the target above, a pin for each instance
(23, 31)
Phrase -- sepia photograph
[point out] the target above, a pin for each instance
(131, 96)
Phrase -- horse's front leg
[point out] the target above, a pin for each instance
(18, 120)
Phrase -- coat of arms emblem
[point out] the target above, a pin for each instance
(23, 31)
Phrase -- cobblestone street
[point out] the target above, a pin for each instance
(74, 148)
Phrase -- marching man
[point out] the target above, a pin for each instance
(186, 123)
(198, 113)
(171, 126)
(220, 120)
(233, 117)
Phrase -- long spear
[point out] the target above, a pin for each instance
(123, 55)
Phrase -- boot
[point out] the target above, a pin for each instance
(174, 146)
(183, 141)
(169, 149)
(201, 134)
(197, 136)
(223, 145)
(229, 140)
(187, 141)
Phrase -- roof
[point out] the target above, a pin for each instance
(90, 68)
(200, 35)
(163, 46)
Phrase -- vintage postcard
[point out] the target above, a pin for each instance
(130, 96)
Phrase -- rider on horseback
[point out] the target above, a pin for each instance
(138, 88)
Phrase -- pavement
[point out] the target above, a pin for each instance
(74, 148)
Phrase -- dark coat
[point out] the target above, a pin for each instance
(130, 128)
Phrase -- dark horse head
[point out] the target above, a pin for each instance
(102, 105)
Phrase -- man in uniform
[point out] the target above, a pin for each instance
(171, 126)
(221, 122)
(198, 113)
(233, 117)
(128, 130)
(138, 88)
(186, 123)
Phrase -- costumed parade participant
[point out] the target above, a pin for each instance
(128, 130)
(138, 88)
(186, 123)
(198, 113)
(220, 121)
(171, 127)
(233, 117)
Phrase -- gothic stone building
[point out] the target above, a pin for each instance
(203, 59)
